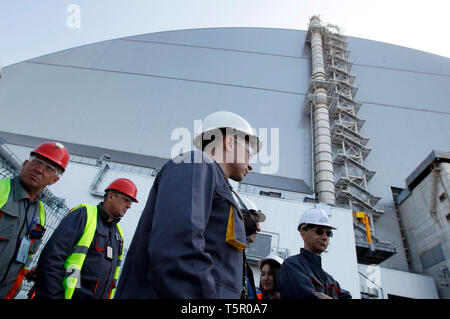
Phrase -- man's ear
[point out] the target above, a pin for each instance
(302, 233)
(25, 163)
(109, 195)
(54, 180)
(23, 166)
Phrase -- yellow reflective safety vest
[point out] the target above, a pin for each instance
(75, 261)
(5, 189)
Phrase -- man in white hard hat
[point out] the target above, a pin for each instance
(190, 239)
(301, 276)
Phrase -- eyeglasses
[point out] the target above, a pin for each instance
(48, 168)
(125, 198)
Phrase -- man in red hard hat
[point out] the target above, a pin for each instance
(22, 214)
(82, 257)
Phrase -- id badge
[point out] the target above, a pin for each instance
(24, 248)
(109, 252)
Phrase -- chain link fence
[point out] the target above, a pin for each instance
(55, 209)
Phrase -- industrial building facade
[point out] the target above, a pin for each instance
(122, 106)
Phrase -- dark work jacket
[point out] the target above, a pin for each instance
(302, 275)
(97, 273)
(249, 291)
(179, 249)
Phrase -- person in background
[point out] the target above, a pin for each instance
(269, 268)
(22, 214)
(301, 276)
(252, 217)
(82, 258)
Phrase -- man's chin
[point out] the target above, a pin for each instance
(31, 183)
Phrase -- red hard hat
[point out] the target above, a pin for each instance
(54, 152)
(125, 186)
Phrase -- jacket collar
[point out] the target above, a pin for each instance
(311, 257)
(104, 215)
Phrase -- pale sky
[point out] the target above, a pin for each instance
(33, 28)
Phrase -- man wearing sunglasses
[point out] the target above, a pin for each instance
(82, 257)
(301, 276)
(22, 214)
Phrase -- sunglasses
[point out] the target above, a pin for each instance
(320, 232)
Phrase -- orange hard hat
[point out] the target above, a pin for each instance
(54, 152)
(124, 186)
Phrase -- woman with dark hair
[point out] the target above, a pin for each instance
(269, 267)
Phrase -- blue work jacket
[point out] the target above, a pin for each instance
(302, 275)
(190, 238)
(97, 273)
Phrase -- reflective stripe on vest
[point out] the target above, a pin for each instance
(5, 188)
(75, 261)
(119, 262)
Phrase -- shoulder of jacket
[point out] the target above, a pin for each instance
(199, 159)
(291, 260)
(79, 211)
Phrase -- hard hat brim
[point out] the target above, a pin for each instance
(254, 141)
(275, 258)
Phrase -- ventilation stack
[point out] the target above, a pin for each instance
(340, 151)
(323, 158)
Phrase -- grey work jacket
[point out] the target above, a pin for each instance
(188, 240)
(12, 229)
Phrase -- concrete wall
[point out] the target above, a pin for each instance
(399, 283)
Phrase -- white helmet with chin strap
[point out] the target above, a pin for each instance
(227, 120)
(315, 216)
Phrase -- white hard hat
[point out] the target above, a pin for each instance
(251, 206)
(224, 119)
(276, 258)
(315, 216)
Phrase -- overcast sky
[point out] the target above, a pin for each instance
(32, 28)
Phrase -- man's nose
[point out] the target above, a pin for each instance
(39, 169)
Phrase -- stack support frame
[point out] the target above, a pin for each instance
(339, 150)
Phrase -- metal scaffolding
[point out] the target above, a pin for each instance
(332, 89)
(349, 146)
